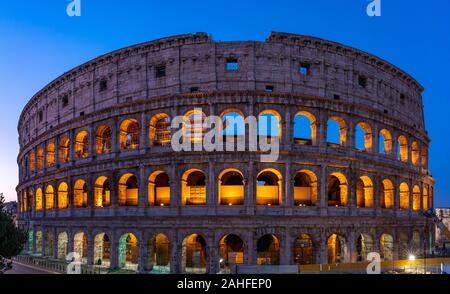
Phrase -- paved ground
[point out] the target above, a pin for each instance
(26, 269)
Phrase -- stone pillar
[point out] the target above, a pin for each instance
(375, 140)
(250, 253)
(350, 143)
(175, 186)
(91, 131)
(211, 196)
(90, 247)
(323, 190)
(114, 248)
(91, 190)
(72, 146)
(143, 255)
(352, 254)
(143, 135)
(57, 150)
(114, 185)
(34, 240)
(44, 240)
(376, 194)
(115, 135)
(250, 200)
(288, 193)
(70, 241)
(143, 189)
(287, 133)
(323, 248)
(55, 196)
(70, 195)
(286, 248)
(175, 254)
(55, 243)
(212, 255)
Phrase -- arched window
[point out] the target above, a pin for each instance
(231, 187)
(30, 201)
(129, 135)
(40, 158)
(49, 197)
(303, 250)
(363, 137)
(231, 248)
(64, 150)
(268, 250)
(194, 127)
(364, 245)
(128, 252)
(364, 192)
(39, 199)
(48, 250)
(403, 246)
(32, 162)
(103, 140)
(102, 252)
(102, 192)
(50, 155)
(194, 254)
(305, 128)
(80, 194)
(39, 242)
(305, 188)
(193, 187)
(415, 153)
(424, 157)
(425, 197)
(269, 125)
(233, 125)
(82, 145)
(63, 198)
(268, 189)
(63, 241)
(416, 198)
(337, 190)
(404, 196)
(159, 252)
(336, 131)
(159, 189)
(159, 130)
(386, 247)
(387, 194)
(80, 246)
(128, 190)
(402, 148)
(385, 142)
(337, 249)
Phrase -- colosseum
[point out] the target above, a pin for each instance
(98, 175)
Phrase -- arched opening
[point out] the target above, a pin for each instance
(82, 145)
(233, 125)
(49, 197)
(268, 189)
(103, 140)
(128, 252)
(402, 148)
(129, 135)
(364, 245)
(80, 194)
(39, 199)
(404, 196)
(64, 150)
(194, 254)
(425, 197)
(102, 250)
(336, 131)
(160, 253)
(303, 250)
(63, 196)
(50, 154)
(415, 244)
(387, 194)
(128, 190)
(337, 249)
(48, 244)
(416, 198)
(337, 190)
(305, 128)
(31, 201)
(38, 242)
(385, 142)
(415, 153)
(305, 188)
(102, 192)
(32, 162)
(403, 247)
(386, 247)
(40, 158)
(269, 125)
(80, 246)
(159, 130)
(194, 127)
(268, 250)
(363, 137)
(63, 241)
(159, 189)
(364, 192)
(231, 187)
(193, 185)
(231, 250)
(424, 157)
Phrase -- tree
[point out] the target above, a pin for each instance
(12, 239)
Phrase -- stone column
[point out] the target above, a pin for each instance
(143, 135)
(72, 146)
(55, 243)
(92, 135)
(322, 190)
(34, 240)
(250, 200)
(323, 248)
(57, 150)
(286, 248)
(44, 240)
(175, 254)
(114, 182)
(211, 196)
(175, 186)
(90, 247)
(350, 143)
(91, 190)
(375, 140)
(287, 133)
(212, 255)
(115, 135)
(143, 189)
(352, 254)
(250, 253)
(70, 195)
(288, 193)
(143, 255)
(376, 194)
(70, 241)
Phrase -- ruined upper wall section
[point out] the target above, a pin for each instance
(195, 61)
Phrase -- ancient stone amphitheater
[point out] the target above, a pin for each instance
(99, 177)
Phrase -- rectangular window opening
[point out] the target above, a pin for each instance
(232, 65)
(160, 71)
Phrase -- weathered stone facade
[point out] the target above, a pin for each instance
(287, 75)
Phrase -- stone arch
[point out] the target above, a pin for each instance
(303, 249)
(363, 136)
(231, 187)
(128, 252)
(416, 248)
(194, 255)
(49, 197)
(193, 187)
(80, 243)
(336, 131)
(39, 199)
(364, 245)
(424, 156)
(402, 148)
(387, 194)
(268, 250)
(194, 127)
(404, 195)
(102, 192)
(415, 153)
(385, 142)
(337, 249)
(269, 187)
(82, 145)
(305, 128)
(129, 134)
(64, 150)
(159, 189)
(425, 197)
(337, 190)
(32, 162)
(40, 158)
(63, 241)
(416, 198)
(103, 140)
(102, 250)
(128, 190)
(305, 188)
(50, 154)
(159, 253)
(386, 247)
(48, 250)
(159, 129)
(364, 192)
(38, 240)
(233, 124)
(80, 194)
(63, 196)
(270, 124)
(231, 252)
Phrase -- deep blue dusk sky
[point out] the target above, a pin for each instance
(39, 42)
